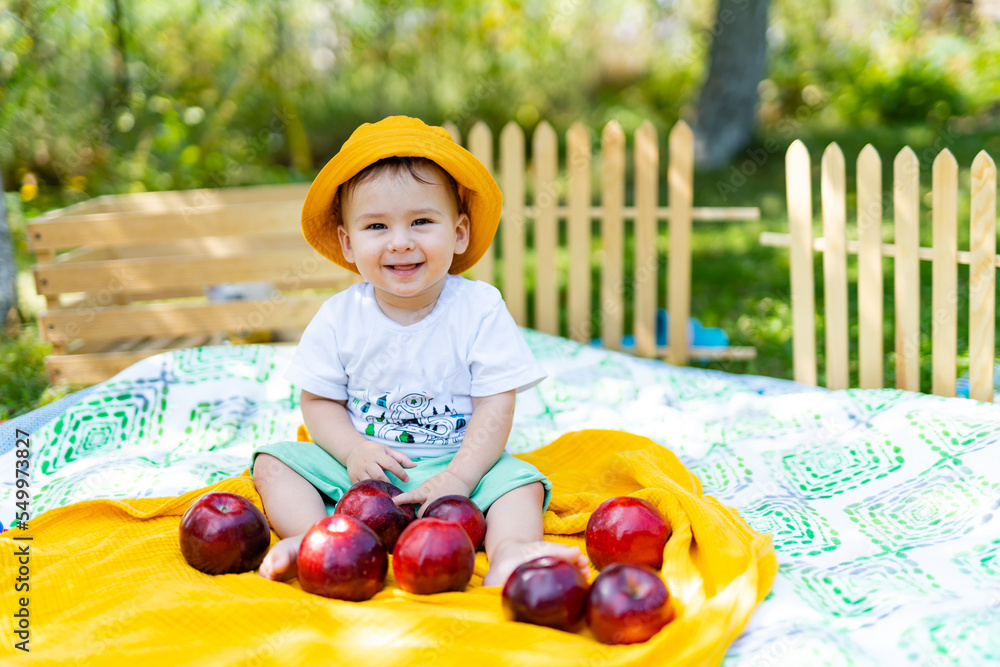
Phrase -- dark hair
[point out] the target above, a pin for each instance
(395, 166)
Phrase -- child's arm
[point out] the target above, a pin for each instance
(484, 442)
(331, 428)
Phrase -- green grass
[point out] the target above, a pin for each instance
(23, 386)
(23, 383)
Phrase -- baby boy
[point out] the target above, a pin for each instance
(410, 376)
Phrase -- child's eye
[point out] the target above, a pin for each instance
(423, 221)
(375, 225)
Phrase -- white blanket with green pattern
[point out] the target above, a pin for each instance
(882, 503)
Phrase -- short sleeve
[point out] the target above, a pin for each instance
(316, 365)
(499, 359)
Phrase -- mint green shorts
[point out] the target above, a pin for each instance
(330, 478)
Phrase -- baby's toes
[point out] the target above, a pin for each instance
(566, 552)
(279, 563)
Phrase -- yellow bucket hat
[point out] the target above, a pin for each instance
(402, 136)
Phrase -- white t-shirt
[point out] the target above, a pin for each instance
(411, 386)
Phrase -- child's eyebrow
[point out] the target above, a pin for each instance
(418, 211)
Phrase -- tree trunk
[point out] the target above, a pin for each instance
(8, 269)
(727, 108)
(119, 58)
(289, 119)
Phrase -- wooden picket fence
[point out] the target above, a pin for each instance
(125, 276)
(546, 212)
(907, 254)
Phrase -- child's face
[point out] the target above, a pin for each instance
(403, 234)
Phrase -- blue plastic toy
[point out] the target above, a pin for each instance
(698, 335)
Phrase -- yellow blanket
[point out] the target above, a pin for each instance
(108, 584)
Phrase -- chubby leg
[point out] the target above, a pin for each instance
(514, 534)
(292, 505)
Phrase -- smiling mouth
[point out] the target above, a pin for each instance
(402, 267)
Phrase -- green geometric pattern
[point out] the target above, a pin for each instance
(102, 423)
(721, 471)
(801, 643)
(796, 527)
(981, 563)
(938, 505)
(953, 439)
(884, 505)
(970, 637)
(866, 592)
(830, 468)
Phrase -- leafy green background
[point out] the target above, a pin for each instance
(117, 96)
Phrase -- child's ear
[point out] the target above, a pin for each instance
(462, 231)
(345, 243)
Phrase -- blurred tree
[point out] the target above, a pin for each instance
(119, 57)
(283, 79)
(728, 103)
(102, 96)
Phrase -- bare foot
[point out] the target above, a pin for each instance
(509, 556)
(279, 563)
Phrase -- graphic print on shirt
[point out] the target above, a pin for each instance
(413, 418)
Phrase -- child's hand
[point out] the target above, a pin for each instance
(442, 484)
(370, 460)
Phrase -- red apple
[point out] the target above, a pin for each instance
(626, 530)
(371, 503)
(341, 558)
(224, 533)
(628, 604)
(546, 591)
(433, 556)
(462, 511)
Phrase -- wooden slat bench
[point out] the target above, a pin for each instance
(133, 284)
